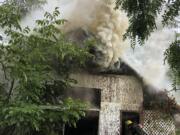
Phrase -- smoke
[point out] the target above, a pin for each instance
(99, 18)
(106, 24)
(148, 60)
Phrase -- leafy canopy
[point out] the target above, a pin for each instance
(36, 64)
(143, 14)
(172, 55)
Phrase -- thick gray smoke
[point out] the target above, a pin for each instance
(107, 25)
(98, 18)
(148, 60)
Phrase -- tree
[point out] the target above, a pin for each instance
(142, 17)
(25, 5)
(36, 64)
(172, 55)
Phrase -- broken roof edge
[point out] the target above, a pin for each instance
(159, 100)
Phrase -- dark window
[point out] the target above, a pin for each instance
(90, 95)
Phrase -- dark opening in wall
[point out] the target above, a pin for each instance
(89, 95)
(89, 124)
(85, 126)
(133, 116)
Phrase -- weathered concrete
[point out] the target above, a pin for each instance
(126, 91)
(118, 93)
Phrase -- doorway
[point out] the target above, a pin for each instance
(133, 116)
(85, 126)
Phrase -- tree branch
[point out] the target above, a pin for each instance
(10, 90)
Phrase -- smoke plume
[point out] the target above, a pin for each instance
(107, 25)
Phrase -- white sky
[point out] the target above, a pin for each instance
(1, 1)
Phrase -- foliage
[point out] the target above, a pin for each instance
(173, 58)
(8, 18)
(142, 16)
(36, 64)
(171, 12)
(25, 5)
(178, 132)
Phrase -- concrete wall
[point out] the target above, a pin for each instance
(117, 93)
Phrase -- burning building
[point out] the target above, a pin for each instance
(112, 88)
(115, 91)
(113, 100)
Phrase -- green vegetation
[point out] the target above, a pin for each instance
(25, 5)
(173, 57)
(35, 68)
(143, 14)
(178, 132)
(36, 63)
